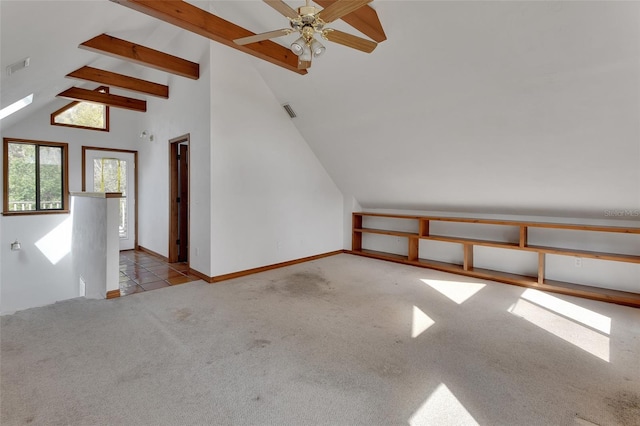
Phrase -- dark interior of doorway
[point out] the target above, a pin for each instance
(179, 199)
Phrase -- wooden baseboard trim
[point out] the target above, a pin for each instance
(153, 253)
(238, 274)
(200, 275)
(113, 294)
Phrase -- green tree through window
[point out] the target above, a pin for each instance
(83, 115)
(35, 177)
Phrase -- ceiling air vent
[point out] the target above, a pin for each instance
(20, 65)
(289, 110)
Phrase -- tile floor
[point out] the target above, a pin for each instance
(140, 271)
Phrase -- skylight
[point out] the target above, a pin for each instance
(16, 106)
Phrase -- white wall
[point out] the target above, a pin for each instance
(95, 244)
(28, 277)
(186, 111)
(350, 205)
(272, 199)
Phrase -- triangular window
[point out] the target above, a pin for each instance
(83, 115)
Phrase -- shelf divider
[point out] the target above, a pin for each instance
(356, 239)
(524, 236)
(413, 248)
(423, 228)
(467, 264)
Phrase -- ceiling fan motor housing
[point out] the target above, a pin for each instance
(307, 13)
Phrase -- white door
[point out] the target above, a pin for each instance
(113, 171)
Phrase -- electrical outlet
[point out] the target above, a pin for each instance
(578, 262)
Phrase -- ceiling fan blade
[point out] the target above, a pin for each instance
(349, 40)
(283, 8)
(340, 8)
(262, 36)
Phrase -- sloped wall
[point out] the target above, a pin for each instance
(527, 108)
(272, 200)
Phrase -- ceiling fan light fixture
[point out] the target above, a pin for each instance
(306, 54)
(298, 46)
(317, 48)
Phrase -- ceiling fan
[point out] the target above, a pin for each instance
(308, 21)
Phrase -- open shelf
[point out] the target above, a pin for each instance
(487, 243)
(616, 257)
(595, 228)
(382, 255)
(386, 232)
(467, 268)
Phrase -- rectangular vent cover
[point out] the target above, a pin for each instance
(17, 66)
(289, 110)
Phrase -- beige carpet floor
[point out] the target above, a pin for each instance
(343, 340)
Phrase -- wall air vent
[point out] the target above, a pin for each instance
(289, 110)
(17, 66)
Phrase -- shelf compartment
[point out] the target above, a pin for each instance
(584, 253)
(487, 274)
(386, 232)
(594, 293)
(600, 228)
(487, 243)
(393, 216)
(618, 257)
(381, 255)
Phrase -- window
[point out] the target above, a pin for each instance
(83, 115)
(35, 177)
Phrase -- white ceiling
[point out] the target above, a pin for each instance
(482, 106)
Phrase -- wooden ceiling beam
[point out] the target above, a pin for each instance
(86, 95)
(199, 21)
(119, 80)
(364, 19)
(136, 53)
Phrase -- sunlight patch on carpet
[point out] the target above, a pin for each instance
(570, 310)
(456, 291)
(420, 323)
(442, 408)
(561, 325)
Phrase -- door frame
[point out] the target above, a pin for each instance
(135, 180)
(173, 195)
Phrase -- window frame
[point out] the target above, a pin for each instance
(5, 177)
(103, 89)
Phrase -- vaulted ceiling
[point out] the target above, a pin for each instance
(482, 106)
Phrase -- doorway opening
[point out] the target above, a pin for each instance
(179, 199)
(115, 170)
